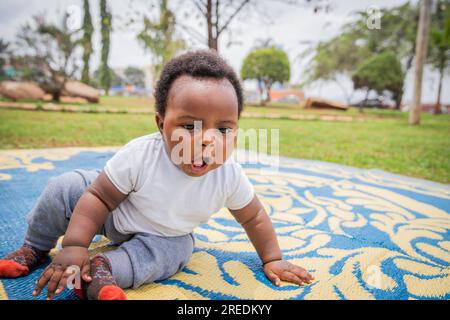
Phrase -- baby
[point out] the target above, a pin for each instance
(152, 193)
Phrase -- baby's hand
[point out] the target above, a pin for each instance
(56, 275)
(286, 271)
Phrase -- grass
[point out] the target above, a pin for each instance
(419, 151)
(108, 102)
(40, 129)
(282, 109)
(123, 103)
(293, 109)
(422, 151)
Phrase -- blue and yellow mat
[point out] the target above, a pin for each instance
(363, 234)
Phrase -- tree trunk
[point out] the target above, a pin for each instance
(212, 36)
(268, 86)
(262, 101)
(212, 44)
(261, 92)
(56, 96)
(86, 42)
(361, 105)
(105, 73)
(437, 108)
(421, 55)
(398, 100)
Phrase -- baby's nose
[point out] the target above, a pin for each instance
(207, 139)
(206, 143)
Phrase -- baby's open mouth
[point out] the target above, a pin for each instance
(199, 165)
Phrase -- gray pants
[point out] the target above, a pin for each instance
(140, 258)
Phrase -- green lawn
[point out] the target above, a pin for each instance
(108, 102)
(281, 109)
(390, 144)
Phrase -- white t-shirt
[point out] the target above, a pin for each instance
(162, 199)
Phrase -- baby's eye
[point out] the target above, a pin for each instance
(188, 127)
(225, 130)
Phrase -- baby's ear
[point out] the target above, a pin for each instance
(159, 121)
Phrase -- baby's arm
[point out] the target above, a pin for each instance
(91, 211)
(261, 233)
(89, 215)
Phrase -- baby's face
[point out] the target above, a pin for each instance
(200, 123)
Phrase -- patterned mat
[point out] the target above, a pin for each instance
(363, 234)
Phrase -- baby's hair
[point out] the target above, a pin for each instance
(197, 64)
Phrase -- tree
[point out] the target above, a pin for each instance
(48, 54)
(423, 31)
(86, 42)
(267, 65)
(116, 80)
(160, 39)
(439, 56)
(341, 55)
(380, 73)
(3, 54)
(335, 58)
(397, 32)
(219, 15)
(106, 28)
(135, 76)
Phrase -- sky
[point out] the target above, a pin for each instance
(294, 28)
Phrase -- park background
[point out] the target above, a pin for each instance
(353, 54)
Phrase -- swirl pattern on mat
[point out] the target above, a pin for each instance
(363, 234)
